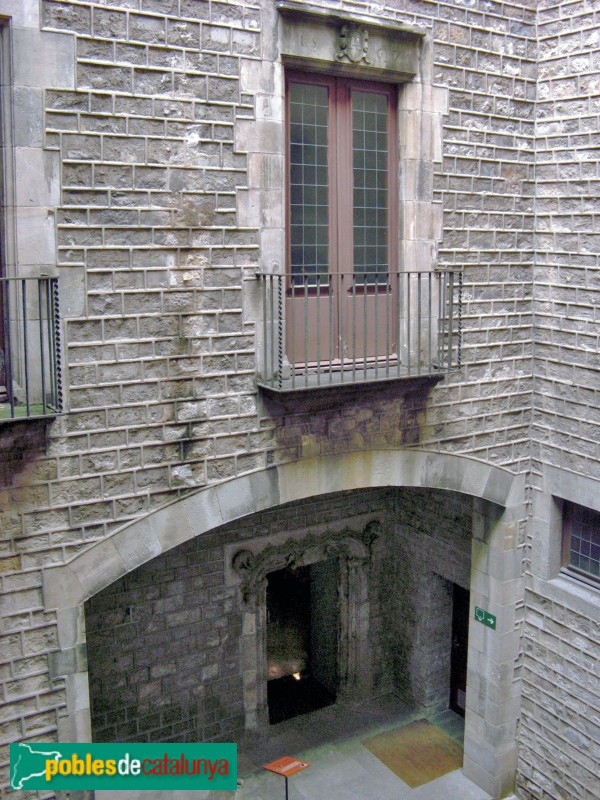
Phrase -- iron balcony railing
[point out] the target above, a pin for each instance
(30, 376)
(337, 328)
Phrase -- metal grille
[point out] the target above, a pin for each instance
(29, 348)
(343, 331)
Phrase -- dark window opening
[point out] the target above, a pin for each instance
(581, 541)
(302, 639)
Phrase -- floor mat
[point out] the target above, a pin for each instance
(417, 753)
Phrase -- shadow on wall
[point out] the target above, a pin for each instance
(21, 443)
(353, 417)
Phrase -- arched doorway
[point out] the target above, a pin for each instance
(495, 563)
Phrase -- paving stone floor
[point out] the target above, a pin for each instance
(341, 768)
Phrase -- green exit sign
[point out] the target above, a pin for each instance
(483, 616)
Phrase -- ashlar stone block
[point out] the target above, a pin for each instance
(28, 116)
(98, 567)
(235, 498)
(203, 511)
(35, 236)
(137, 544)
(25, 14)
(53, 65)
(30, 164)
(61, 588)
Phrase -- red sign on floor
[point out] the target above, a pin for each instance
(286, 766)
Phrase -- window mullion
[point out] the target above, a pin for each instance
(343, 159)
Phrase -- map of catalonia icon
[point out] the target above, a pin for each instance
(28, 763)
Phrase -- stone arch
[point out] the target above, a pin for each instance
(70, 584)
(495, 579)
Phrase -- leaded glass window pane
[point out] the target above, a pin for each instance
(584, 540)
(309, 181)
(370, 174)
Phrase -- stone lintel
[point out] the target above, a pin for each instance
(572, 486)
(313, 38)
(302, 12)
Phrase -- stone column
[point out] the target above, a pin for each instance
(359, 670)
(70, 664)
(253, 649)
(493, 684)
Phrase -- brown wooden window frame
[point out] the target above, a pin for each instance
(574, 536)
(340, 169)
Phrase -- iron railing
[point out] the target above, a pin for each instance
(331, 329)
(30, 375)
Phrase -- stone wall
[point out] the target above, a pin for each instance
(137, 139)
(486, 55)
(430, 550)
(567, 289)
(163, 650)
(559, 733)
(160, 356)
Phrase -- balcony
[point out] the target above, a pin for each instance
(336, 329)
(30, 379)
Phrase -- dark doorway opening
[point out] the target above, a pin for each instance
(302, 639)
(460, 640)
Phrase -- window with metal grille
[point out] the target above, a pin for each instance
(30, 380)
(581, 541)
